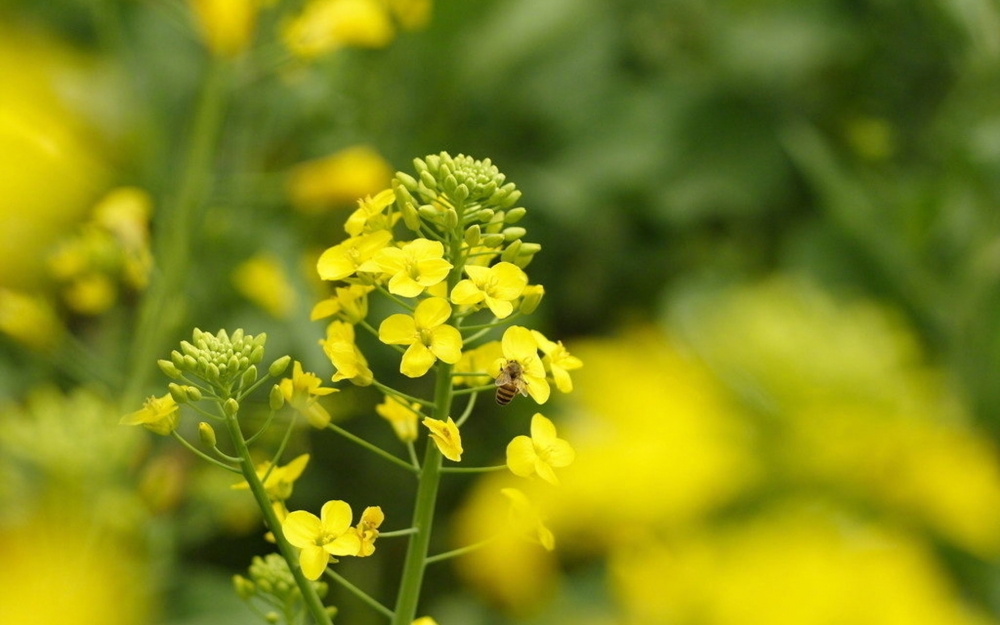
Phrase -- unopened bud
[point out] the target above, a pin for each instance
(206, 434)
(530, 298)
(278, 366)
(231, 407)
(515, 215)
(244, 588)
(276, 399)
(472, 234)
(510, 254)
(450, 219)
(193, 393)
(492, 240)
(249, 377)
(513, 233)
(178, 392)
(169, 369)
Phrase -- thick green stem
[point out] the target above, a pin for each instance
(423, 513)
(312, 600)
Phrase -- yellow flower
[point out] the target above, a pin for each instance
(158, 414)
(350, 304)
(280, 480)
(371, 215)
(539, 454)
(526, 519)
(427, 335)
(91, 293)
(495, 286)
(477, 361)
(425, 620)
(227, 25)
(344, 354)
(343, 260)
(338, 179)
(413, 267)
(301, 391)
(367, 530)
(326, 25)
(445, 435)
(557, 361)
(402, 417)
(29, 319)
(330, 534)
(519, 346)
(262, 280)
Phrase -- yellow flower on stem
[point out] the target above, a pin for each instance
(158, 415)
(427, 335)
(367, 530)
(495, 286)
(330, 534)
(371, 215)
(343, 260)
(526, 520)
(227, 26)
(477, 361)
(301, 391)
(402, 417)
(540, 453)
(412, 268)
(557, 361)
(338, 179)
(425, 620)
(520, 346)
(281, 479)
(347, 359)
(350, 304)
(446, 436)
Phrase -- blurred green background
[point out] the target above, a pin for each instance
(770, 228)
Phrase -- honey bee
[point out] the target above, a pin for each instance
(510, 383)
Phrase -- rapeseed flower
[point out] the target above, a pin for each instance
(526, 519)
(338, 179)
(325, 25)
(557, 361)
(495, 287)
(349, 303)
(158, 415)
(344, 259)
(347, 359)
(371, 214)
(262, 280)
(519, 345)
(539, 454)
(477, 361)
(318, 538)
(280, 479)
(301, 391)
(416, 265)
(367, 530)
(427, 335)
(227, 26)
(402, 417)
(446, 436)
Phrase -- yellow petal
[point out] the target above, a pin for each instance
(398, 329)
(403, 285)
(301, 528)
(432, 312)
(510, 281)
(521, 456)
(518, 344)
(466, 293)
(543, 431)
(336, 516)
(347, 544)
(446, 344)
(417, 360)
(313, 561)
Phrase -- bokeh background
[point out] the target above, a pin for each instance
(770, 228)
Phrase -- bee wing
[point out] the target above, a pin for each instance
(504, 378)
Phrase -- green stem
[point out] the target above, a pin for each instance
(496, 467)
(372, 448)
(162, 308)
(357, 592)
(423, 513)
(180, 439)
(461, 551)
(309, 596)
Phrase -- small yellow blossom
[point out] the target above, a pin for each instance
(262, 280)
(325, 25)
(367, 530)
(91, 293)
(330, 534)
(350, 304)
(425, 620)
(402, 417)
(158, 414)
(344, 354)
(557, 361)
(301, 391)
(280, 480)
(540, 453)
(344, 259)
(477, 361)
(226, 25)
(495, 286)
(338, 179)
(416, 265)
(427, 335)
(446, 436)
(125, 213)
(371, 214)
(526, 520)
(519, 346)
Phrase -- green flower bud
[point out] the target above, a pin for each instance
(189, 350)
(206, 434)
(231, 407)
(511, 197)
(515, 215)
(233, 364)
(245, 589)
(178, 392)
(531, 297)
(256, 355)
(169, 368)
(492, 240)
(272, 617)
(526, 254)
(449, 184)
(450, 220)
(484, 215)
(472, 235)
(428, 180)
(249, 377)
(406, 181)
(461, 193)
(510, 254)
(178, 359)
(193, 393)
(429, 213)
(278, 366)
(276, 399)
(513, 233)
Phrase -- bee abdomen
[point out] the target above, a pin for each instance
(505, 394)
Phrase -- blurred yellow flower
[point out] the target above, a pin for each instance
(350, 304)
(557, 361)
(326, 25)
(227, 26)
(411, 14)
(526, 519)
(402, 417)
(301, 391)
(262, 280)
(158, 415)
(339, 179)
(280, 480)
(29, 319)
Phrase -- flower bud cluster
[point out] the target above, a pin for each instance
(271, 582)
(228, 362)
